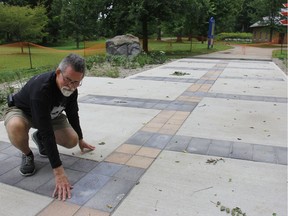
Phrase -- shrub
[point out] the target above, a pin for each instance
(236, 36)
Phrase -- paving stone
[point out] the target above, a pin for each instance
(3, 156)
(9, 164)
(87, 187)
(12, 176)
(68, 161)
(198, 145)
(140, 161)
(242, 151)
(178, 143)
(59, 206)
(220, 148)
(130, 173)
(148, 105)
(84, 165)
(182, 106)
(106, 168)
(11, 150)
(4, 145)
(281, 100)
(40, 159)
(281, 154)
(110, 195)
(40, 177)
(160, 106)
(139, 138)
(263, 153)
(118, 157)
(128, 148)
(137, 104)
(48, 188)
(85, 211)
(148, 152)
(158, 141)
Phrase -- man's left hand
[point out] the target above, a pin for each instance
(84, 145)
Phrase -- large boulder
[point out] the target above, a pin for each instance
(127, 45)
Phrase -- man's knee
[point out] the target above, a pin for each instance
(16, 125)
(73, 141)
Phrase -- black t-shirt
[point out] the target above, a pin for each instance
(41, 99)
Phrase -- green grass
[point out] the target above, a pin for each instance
(15, 62)
(281, 54)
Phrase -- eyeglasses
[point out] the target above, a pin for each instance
(70, 82)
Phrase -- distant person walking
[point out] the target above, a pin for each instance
(40, 104)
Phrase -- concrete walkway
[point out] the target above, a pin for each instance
(212, 138)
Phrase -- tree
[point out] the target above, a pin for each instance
(22, 23)
(138, 16)
(226, 13)
(152, 11)
(197, 16)
(79, 19)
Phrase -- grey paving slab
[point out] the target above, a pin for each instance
(3, 156)
(84, 165)
(41, 177)
(219, 148)
(130, 173)
(106, 168)
(87, 187)
(199, 145)
(193, 69)
(243, 151)
(228, 149)
(169, 79)
(135, 89)
(48, 188)
(17, 202)
(11, 150)
(264, 154)
(139, 138)
(281, 155)
(11, 177)
(251, 87)
(158, 141)
(122, 123)
(4, 145)
(9, 164)
(111, 194)
(178, 143)
(140, 103)
(67, 161)
(193, 187)
(252, 122)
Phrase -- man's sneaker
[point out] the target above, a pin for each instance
(27, 165)
(37, 141)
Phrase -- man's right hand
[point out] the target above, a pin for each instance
(62, 185)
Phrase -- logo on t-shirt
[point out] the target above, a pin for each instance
(56, 111)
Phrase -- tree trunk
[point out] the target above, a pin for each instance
(159, 34)
(145, 34)
(179, 39)
(77, 40)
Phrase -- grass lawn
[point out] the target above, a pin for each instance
(20, 60)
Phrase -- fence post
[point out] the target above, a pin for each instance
(30, 55)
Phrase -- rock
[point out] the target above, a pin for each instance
(127, 45)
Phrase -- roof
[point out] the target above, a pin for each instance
(266, 22)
